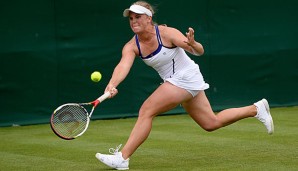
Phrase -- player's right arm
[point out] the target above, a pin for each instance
(123, 67)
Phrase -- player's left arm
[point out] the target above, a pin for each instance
(187, 42)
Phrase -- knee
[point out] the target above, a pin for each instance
(143, 113)
(210, 127)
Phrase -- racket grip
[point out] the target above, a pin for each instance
(100, 99)
(104, 96)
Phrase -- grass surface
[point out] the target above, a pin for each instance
(175, 143)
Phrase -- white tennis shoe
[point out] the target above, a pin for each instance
(114, 160)
(264, 115)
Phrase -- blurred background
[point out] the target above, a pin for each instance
(49, 49)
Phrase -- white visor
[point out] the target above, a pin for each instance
(137, 9)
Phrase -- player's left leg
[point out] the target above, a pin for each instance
(200, 110)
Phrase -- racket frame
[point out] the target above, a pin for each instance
(94, 103)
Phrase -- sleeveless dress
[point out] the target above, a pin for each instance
(175, 66)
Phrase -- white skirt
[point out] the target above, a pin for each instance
(190, 79)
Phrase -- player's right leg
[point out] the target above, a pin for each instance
(164, 98)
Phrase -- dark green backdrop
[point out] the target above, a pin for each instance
(49, 48)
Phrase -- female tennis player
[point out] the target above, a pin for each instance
(163, 48)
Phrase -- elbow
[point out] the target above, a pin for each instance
(201, 52)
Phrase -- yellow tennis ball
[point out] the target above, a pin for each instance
(96, 76)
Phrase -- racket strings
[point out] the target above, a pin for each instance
(70, 120)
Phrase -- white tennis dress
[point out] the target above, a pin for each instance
(175, 66)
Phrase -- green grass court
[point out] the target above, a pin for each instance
(175, 143)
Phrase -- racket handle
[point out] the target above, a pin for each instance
(100, 99)
(104, 96)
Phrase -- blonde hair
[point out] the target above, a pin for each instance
(146, 5)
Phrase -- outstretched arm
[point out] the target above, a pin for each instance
(122, 69)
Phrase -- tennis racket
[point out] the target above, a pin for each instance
(71, 120)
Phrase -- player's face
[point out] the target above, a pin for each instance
(138, 22)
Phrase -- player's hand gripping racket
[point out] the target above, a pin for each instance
(71, 120)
